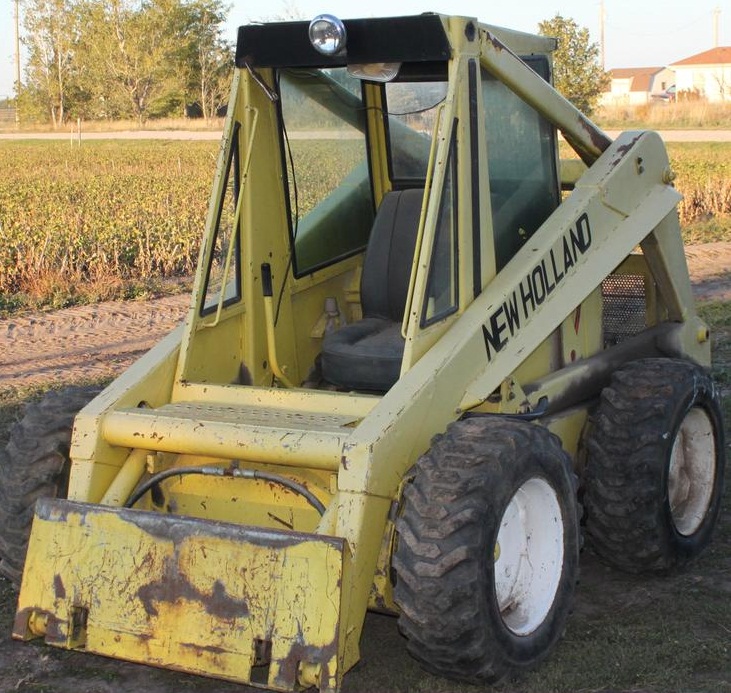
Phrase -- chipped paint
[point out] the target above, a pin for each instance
(185, 593)
(173, 587)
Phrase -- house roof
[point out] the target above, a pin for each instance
(625, 72)
(716, 56)
(641, 77)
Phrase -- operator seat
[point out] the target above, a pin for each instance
(367, 355)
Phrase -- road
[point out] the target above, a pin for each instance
(667, 135)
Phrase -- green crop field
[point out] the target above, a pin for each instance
(113, 219)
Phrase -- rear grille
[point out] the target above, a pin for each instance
(625, 307)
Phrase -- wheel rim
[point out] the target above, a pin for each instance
(529, 556)
(692, 471)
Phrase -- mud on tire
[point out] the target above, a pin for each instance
(35, 464)
(488, 495)
(656, 466)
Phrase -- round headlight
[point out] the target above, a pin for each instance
(327, 34)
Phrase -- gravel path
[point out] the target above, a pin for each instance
(667, 135)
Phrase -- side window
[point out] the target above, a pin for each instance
(441, 286)
(412, 111)
(223, 282)
(521, 158)
(325, 157)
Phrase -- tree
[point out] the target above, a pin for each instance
(576, 70)
(52, 31)
(130, 53)
(147, 58)
(210, 60)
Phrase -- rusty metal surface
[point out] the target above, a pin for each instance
(205, 597)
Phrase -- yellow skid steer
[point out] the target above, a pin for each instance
(415, 332)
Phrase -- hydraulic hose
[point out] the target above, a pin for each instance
(298, 488)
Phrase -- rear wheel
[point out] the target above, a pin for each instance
(35, 464)
(487, 552)
(656, 466)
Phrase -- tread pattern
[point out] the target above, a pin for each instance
(459, 491)
(628, 520)
(35, 464)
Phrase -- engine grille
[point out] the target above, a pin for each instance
(625, 307)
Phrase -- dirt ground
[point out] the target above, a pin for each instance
(94, 341)
(90, 342)
(84, 342)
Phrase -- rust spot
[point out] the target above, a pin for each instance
(623, 150)
(210, 649)
(299, 652)
(497, 44)
(58, 587)
(173, 586)
(20, 624)
(597, 137)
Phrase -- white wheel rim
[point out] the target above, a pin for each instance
(529, 556)
(692, 471)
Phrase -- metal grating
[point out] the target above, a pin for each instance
(625, 307)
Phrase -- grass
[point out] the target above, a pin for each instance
(695, 114)
(105, 220)
(122, 219)
(704, 179)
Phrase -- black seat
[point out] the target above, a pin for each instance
(367, 355)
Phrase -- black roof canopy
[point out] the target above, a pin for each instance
(419, 38)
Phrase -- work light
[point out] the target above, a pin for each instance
(327, 34)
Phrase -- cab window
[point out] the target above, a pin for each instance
(441, 285)
(521, 158)
(223, 280)
(412, 107)
(325, 158)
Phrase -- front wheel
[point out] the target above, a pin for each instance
(487, 549)
(35, 465)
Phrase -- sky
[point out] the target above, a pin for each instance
(638, 33)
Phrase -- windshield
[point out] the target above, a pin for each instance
(325, 158)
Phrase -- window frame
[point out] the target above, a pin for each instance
(284, 153)
(451, 178)
(233, 161)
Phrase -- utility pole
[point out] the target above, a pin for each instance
(716, 24)
(602, 22)
(16, 20)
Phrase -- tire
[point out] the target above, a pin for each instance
(470, 609)
(35, 464)
(656, 463)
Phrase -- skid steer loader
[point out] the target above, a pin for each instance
(415, 334)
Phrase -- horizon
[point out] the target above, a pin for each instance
(653, 34)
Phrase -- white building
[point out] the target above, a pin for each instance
(633, 86)
(707, 74)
